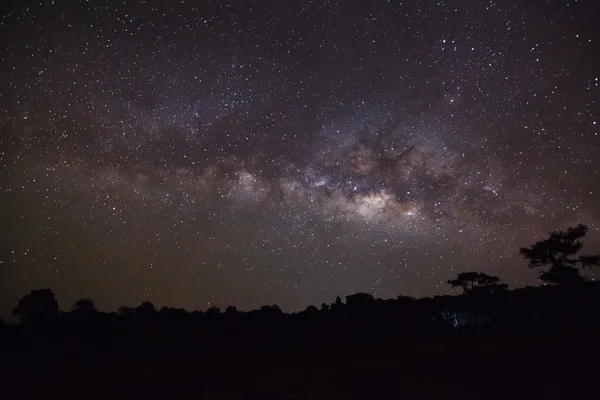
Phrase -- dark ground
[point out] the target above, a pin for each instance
(563, 365)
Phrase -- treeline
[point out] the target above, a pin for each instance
(486, 307)
(361, 318)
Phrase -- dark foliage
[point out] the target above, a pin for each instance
(487, 314)
(213, 310)
(37, 306)
(486, 309)
(125, 311)
(477, 283)
(143, 331)
(231, 310)
(559, 253)
(146, 309)
(84, 306)
(325, 339)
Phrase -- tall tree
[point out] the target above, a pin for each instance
(338, 306)
(477, 283)
(559, 252)
(38, 305)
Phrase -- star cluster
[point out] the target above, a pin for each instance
(260, 152)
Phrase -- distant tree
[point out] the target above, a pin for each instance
(172, 312)
(359, 300)
(337, 306)
(404, 299)
(38, 305)
(559, 253)
(84, 305)
(213, 310)
(311, 310)
(477, 283)
(146, 309)
(125, 311)
(271, 310)
(324, 308)
(231, 310)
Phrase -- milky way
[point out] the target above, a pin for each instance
(260, 152)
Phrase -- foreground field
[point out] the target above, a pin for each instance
(549, 366)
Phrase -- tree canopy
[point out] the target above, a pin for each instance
(477, 283)
(559, 252)
(38, 305)
(84, 305)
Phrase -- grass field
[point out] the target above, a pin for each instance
(542, 366)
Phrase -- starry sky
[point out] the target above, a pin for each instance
(197, 153)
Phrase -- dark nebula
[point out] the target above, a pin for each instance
(194, 153)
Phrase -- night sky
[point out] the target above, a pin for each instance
(197, 153)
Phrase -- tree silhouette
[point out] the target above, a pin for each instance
(559, 253)
(404, 299)
(338, 306)
(359, 301)
(84, 305)
(173, 312)
(213, 310)
(38, 305)
(477, 283)
(125, 311)
(231, 310)
(271, 310)
(311, 310)
(146, 309)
